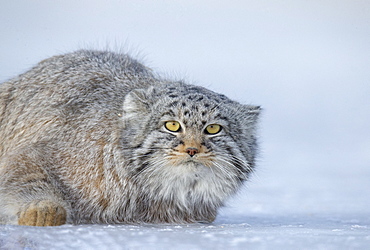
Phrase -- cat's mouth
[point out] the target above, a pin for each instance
(197, 160)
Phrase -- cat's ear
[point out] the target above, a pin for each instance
(136, 115)
(247, 134)
(136, 103)
(252, 111)
(250, 115)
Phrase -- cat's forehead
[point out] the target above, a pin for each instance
(190, 95)
(194, 106)
(194, 114)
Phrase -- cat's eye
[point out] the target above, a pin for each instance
(213, 129)
(173, 126)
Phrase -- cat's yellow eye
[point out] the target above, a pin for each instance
(213, 129)
(173, 126)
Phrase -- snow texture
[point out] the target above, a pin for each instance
(253, 232)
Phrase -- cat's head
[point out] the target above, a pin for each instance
(189, 142)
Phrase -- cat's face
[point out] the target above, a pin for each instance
(185, 140)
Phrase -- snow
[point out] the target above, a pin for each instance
(249, 232)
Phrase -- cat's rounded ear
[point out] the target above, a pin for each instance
(136, 102)
(139, 102)
(250, 114)
(136, 114)
(247, 133)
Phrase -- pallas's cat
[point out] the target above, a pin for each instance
(96, 137)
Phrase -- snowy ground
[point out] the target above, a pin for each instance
(272, 213)
(250, 232)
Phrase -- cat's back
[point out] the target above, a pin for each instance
(82, 73)
(66, 88)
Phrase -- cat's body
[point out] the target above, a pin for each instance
(95, 137)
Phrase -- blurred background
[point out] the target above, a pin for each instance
(307, 63)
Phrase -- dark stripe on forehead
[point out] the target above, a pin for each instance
(169, 113)
(175, 103)
(221, 117)
(194, 89)
(194, 108)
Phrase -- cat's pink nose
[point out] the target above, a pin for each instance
(192, 151)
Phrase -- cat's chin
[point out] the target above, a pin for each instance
(192, 163)
(194, 166)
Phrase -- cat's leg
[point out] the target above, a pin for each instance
(28, 195)
(42, 213)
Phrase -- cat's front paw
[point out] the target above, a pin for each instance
(42, 213)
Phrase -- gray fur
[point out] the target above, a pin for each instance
(85, 132)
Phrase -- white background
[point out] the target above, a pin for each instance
(307, 63)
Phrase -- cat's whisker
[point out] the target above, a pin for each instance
(224, 171)
(220, 164)
(226, 166)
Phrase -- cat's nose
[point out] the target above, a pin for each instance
(192, 151)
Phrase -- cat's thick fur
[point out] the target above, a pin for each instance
(83, 140)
